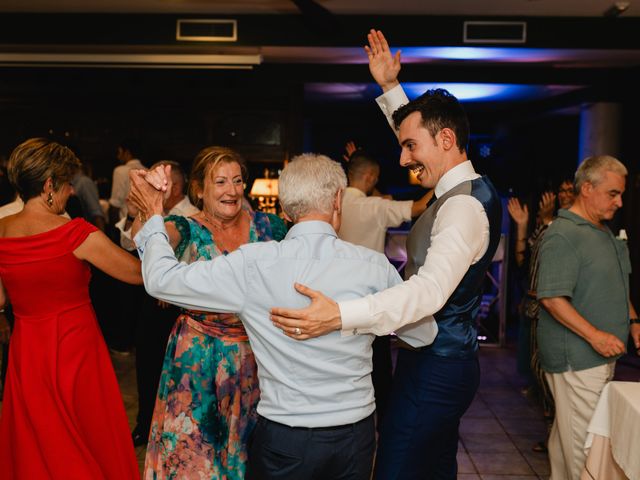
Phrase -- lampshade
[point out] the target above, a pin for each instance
(413, 178)
(264, 187)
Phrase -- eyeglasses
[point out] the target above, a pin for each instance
(565, 190)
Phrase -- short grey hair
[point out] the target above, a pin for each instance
(592, 169)
(308, 184)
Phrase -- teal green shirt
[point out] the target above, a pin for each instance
(590, 267)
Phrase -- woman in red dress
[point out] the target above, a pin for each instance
(63, 416)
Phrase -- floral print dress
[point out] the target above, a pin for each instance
(206, 403)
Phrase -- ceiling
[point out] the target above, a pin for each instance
(565, 49)
(554, 8)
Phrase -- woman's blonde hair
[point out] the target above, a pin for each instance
(206, 162)
(34, 161)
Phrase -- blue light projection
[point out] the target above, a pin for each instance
(485, 54)
(465, 92)
(474, 92)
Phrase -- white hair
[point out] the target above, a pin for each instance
(592, 169)
(309, 183)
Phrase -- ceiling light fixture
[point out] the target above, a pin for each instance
(130, 60)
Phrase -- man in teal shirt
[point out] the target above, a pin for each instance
(583, 285)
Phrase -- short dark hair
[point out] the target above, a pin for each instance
(439, 109)
(566, 179)
(359, 162)
(132, 145)
(175, 168)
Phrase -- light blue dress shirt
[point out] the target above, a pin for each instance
(320, 382)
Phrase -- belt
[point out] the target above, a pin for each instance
(405, 346)
(317, 429)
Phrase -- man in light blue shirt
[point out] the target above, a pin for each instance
(317, 398)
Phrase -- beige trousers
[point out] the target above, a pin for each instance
(576, 395)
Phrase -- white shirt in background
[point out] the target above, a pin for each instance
(184, 208)
(365, 219)
(120, 185)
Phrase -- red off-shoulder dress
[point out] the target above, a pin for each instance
(62, 414)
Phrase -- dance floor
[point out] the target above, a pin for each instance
(497, 433)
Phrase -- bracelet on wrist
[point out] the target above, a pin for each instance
(634, 320)
(142, 216)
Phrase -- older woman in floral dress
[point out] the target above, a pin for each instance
(205, 408)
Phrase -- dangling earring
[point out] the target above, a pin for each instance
(50, 199)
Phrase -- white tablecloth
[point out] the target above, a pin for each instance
(617, 417)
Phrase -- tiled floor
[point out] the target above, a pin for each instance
(501, 426)
(496, 434)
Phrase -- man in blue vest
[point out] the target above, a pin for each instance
(450, 248)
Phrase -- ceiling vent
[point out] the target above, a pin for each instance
(206, 30)
(495, 32)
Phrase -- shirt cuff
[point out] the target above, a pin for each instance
(392, 99)
(120, 226)
(151, 227)
(354, 315)
(407, 205)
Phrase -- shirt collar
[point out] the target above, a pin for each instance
(356, 192)
(311, 227)
(184, 202)
(458, 174)
(578, 220)
(564, 213)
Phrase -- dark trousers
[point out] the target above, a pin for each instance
(152, 333)
(117, 307)
(280, 452)
(382, 375)
(419, 438)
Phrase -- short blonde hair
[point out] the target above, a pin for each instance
(309, 183)
(592, 168)
(206, 161)
(34, 161)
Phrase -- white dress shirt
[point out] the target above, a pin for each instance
(365, 219)
(459, 238)
(11, 208)
(321, 382)
(17, 206)
(390, 101)
(120, 185)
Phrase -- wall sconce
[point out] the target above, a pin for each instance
(266, 191)
(413, 178)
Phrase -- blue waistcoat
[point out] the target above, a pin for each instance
(457, 332)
